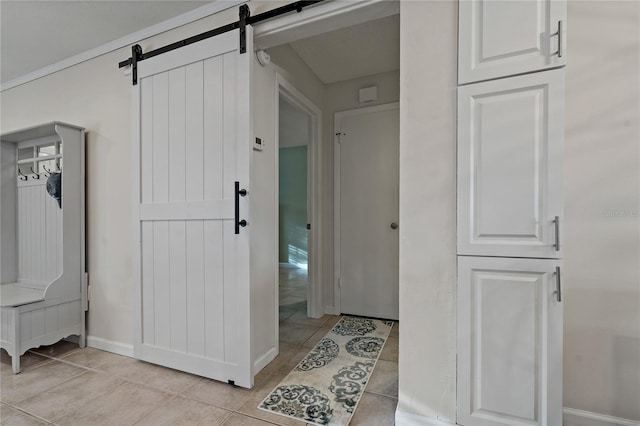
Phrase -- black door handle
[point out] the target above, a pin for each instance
(239, 193)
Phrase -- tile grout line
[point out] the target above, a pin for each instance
(22, 410)
(73, 376)
(380, 394)
(124, 380)
(174, 394)
(302, 423)
(153, 410)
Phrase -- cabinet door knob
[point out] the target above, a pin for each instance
(394, 225)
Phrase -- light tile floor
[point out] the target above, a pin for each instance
(65, 385)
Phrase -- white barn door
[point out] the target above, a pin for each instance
(192, 131)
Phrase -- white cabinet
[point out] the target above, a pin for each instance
(43, 279)
(510, 211)
(510, 156)
(509, 341)
(502, 38)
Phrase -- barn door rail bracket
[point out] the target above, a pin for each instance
(136, 55)
(244, 15)
(244, 19)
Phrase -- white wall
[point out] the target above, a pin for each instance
(8, 196)
(428, 64)
(263, 220)
(602, 188)
(298, 73)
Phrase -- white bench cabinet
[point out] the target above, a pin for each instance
(43, 280)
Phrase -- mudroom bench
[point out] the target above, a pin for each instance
(43, 280)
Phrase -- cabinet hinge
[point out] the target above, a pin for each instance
(87, 287)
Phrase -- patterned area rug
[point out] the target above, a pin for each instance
(325, 387)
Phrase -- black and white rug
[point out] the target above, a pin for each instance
(326, 386)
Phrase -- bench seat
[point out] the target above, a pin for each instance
(17, 294)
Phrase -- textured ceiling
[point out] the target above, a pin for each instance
(35, 34)
(360, 50)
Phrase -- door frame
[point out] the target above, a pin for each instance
(315, 302)
(321, 18)
(338, 116)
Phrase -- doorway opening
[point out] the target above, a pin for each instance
(295, 134)
(345, 67)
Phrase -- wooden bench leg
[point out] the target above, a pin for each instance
(15, 358)
(82, 339)
(15, 363)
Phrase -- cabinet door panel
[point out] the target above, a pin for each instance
(503, 38)
(510, 143)
(509, 342)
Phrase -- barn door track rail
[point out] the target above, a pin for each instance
(245, 19)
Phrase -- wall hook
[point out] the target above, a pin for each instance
(21, 176)
(35, 175)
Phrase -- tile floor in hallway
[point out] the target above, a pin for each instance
(65, 385)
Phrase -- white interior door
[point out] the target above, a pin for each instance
(192, 112)
(367, 170)
(499, 38)
(510, 162)
(509, 342)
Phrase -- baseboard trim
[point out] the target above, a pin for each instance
(264, 360)
(331, 310)
(110, 346)
(573, 417)
(404, 418)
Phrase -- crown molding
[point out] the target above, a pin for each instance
(175, 22)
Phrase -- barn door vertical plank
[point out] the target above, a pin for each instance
(177, 193)
(194, 192)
